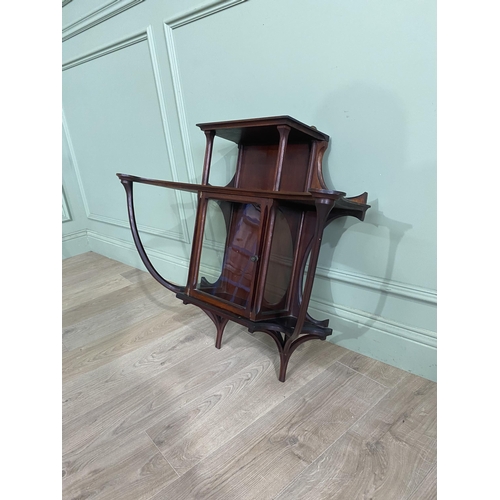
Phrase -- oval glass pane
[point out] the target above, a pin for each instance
(280, 262)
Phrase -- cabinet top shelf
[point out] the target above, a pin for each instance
(264, 130)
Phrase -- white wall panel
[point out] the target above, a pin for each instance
(112, 105)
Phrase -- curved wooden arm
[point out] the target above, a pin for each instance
(127, 184)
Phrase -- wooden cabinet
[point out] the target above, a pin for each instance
(253, 237)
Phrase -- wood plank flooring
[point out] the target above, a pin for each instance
(151, 410)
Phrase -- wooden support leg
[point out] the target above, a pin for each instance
(220, 330)
(220, 323)
(286, 349)
(284, 358)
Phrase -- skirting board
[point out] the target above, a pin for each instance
(75, 244)
(405, 347)
(410, 349)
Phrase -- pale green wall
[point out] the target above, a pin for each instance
(74, 221)
(364, 72)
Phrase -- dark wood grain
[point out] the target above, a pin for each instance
(300, 198)
(278, 173)
(263, 130)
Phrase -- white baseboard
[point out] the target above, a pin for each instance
(75, 244)
(406, 347)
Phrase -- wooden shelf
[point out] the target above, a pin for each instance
(300, 198)
(269, 222)
(264, 130)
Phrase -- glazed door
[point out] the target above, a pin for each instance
(230, 253)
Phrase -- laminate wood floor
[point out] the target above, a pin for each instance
(152, 410)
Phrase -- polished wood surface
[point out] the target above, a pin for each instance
(275, 210)
(300, 198)
(264, 130)
(152, 410)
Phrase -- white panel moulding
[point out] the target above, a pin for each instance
(381, 285)
(74, 162)
(368, 320)
(143, 35)
(96, 16)
(169, 26)
(166, 132)
(199, 12)
(83, 233)
(66, 215)
(131, 39)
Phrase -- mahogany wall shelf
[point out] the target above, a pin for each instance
(253, 238)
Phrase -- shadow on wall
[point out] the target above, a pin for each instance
(367, 126)
(396, 232)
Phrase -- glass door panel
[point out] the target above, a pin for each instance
(280, 264)
(229, 251)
